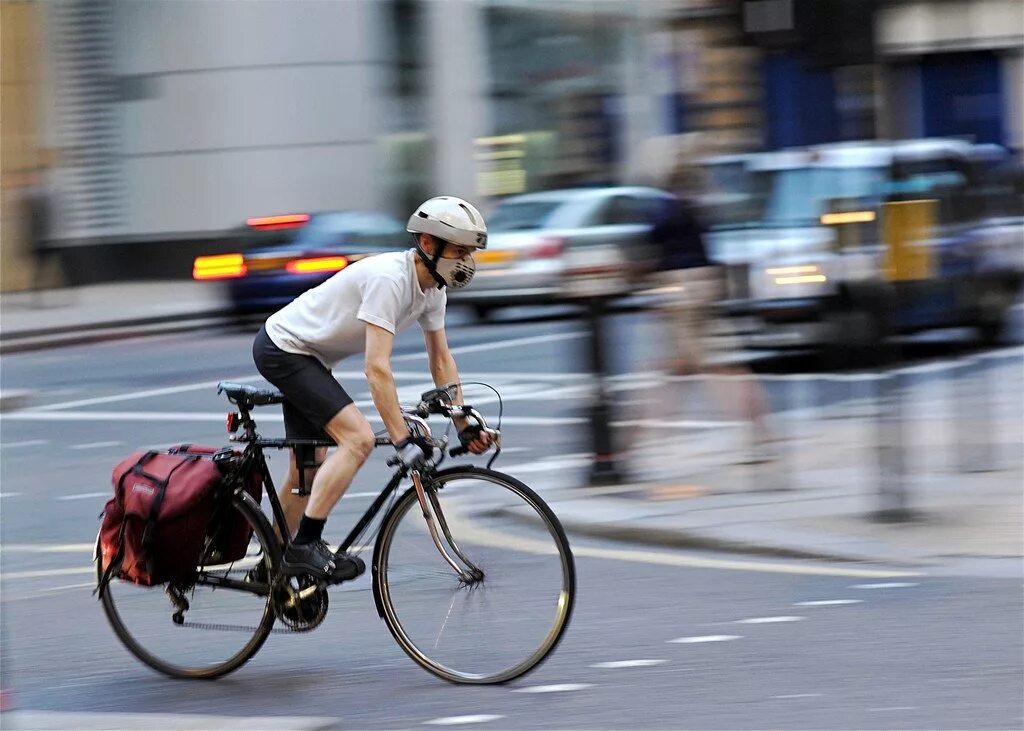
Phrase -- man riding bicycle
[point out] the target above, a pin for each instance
(361, 309)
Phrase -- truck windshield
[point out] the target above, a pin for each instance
(799, 196)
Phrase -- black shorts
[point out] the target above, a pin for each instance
(313, 395)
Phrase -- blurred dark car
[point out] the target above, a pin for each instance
(310, 249)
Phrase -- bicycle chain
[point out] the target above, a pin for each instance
(235, 628)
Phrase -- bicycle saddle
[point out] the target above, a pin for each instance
(245, 396)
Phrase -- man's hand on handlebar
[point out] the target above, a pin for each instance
(474, 438)
(414, 453)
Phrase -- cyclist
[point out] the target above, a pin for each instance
(361, 309)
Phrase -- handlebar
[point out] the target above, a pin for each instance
(438, 402)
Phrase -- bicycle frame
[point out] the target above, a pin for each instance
(254, 458)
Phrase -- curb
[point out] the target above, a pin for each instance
(107, 324)
(664, 538)
(26, 341)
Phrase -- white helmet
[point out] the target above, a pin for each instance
(450, 219)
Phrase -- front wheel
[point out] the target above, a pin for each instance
(512, 605)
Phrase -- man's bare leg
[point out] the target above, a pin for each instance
(352, 433)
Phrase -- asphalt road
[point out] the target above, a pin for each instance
(941, 650)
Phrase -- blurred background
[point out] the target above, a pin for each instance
(754, 281)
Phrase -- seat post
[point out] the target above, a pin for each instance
(305, 458)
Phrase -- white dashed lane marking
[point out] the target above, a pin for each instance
(797, 695)
(705, 638)
(892, 708)
(559, 688)
(885, 585)
(769, 620)
(9, 494)
(829, 603)
(85, 495)
(25, 443)
(462, 720)
(95, 445)
(615, 664)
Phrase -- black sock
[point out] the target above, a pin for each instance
(310, 529)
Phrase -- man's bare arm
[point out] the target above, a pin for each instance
(379, 343)
(444, 371)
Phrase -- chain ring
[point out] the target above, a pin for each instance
(309, 613)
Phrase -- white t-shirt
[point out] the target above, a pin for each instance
(329, 322)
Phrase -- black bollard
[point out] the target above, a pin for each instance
(605, 468)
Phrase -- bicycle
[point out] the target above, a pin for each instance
(507, 538)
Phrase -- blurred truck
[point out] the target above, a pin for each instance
(857, 241)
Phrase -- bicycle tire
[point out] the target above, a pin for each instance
(264, 533)
(544, 527)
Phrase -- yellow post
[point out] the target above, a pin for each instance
(907, 231)
(20, 122)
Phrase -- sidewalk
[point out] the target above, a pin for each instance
(24, 315)
(820, 497)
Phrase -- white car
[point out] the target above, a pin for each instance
(538, 243)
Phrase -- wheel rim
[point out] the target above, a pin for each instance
(221, 629)
(498, 629)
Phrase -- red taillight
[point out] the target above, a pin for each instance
(317, 264)
(548, 247)
(274, 223)
(221, 266)
(233, 421)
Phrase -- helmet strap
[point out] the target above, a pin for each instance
(431, 263)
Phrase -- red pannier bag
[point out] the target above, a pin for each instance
(164, 509)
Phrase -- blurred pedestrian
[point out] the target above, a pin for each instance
(38, 209)
(691, 285)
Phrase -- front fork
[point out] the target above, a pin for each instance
(431, 508)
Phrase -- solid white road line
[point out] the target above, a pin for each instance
(769, 620)
(141, 394)
(47, 572)
(218, 416)
(828, 603)
(615, 664)
(886, 585)
(276, 416)
(86, 495)
(557, 688)
(463, 720)
(46, 548)
(95, 445)
(705, 638)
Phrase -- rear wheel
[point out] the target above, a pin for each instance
(204, 629)
(510, 612)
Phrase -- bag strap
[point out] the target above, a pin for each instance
(119, 556)
(154, 511)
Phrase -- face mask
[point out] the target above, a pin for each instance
(456, 273)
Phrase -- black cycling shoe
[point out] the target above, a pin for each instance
(313, 558)
(349, 566)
